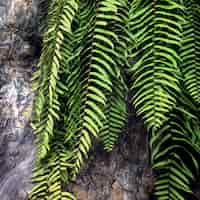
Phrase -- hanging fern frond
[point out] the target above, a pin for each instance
(58, 165)
(173, 181)
(75, 80)
(115, 108)
(191, 49)
(40, 181)
(155, 30)
(46, 78)
(116, 115)
(99, 58)
(50, 176)
(175, 157)
(191, 120)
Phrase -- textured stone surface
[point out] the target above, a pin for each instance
(17, 57)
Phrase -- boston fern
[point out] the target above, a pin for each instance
(94, 54)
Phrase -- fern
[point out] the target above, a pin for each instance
(191, 50)
(49, 177)
(47, 106)
(175, 172)
(40, 181)
(100, 67)
(90, 49)
(156, 35)
(116, 115)
(75, 80)
(58, 174)
(115, 108)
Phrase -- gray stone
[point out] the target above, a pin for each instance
(17, 23)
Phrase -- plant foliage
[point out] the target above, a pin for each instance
(94, 53)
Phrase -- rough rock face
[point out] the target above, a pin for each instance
(120, 175)
(17, 55)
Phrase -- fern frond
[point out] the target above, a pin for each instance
(46, 78)
(172, 182)
(175, 158)
(49, 177)
(116, 115)
(191, 49)
(75, 80)
(58, 165)
(40, 181)
(155, 30)
(99, 58)
(190, 109)
(115, 108)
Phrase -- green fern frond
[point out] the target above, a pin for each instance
(175, 158)
(155, 30)
(58, 165)
(176, 172)
(46, 78)
(75, 80)
(116, 115)
(191, 49)
(99, 58)
(190, 109)
(115, 108)
(49, 177)
(40, 181)
(172, 182)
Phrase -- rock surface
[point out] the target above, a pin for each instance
(17, 57)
